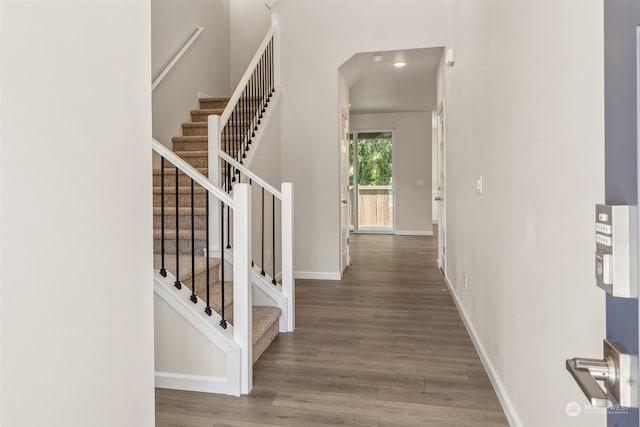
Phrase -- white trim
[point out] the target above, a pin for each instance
(209, 327)
(176, 58)
(288, 254)
(317, 275)
(204, 384)
(507, 406)
(414, 233)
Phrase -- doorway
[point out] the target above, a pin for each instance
(371, 182)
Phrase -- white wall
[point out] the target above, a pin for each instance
(250, 21)
(310, 119)
(411, 163)
(524, 109)
(76, 221)
(203, 68)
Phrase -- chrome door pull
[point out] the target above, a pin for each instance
(587, 381)
(615, 370)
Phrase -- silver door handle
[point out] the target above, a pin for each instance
(615, 370)
(344, 201)
(586, 372)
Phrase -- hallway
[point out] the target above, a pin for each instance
(383, 347)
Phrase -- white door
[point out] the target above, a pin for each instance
(440, 198)
(344, 191)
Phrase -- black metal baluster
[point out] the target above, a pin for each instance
(263, 89)
(163, 270)
(177, 283)
(273, 240)
(206, 216)
(223, 321)
(228, 220)
(262, 237)
(193, 298)
(273, 72)
(269, 72)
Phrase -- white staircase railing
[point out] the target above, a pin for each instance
(230, 137)
(240, 205)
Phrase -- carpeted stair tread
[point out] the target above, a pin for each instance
(265, 328)
(170, 234)
(190, 138)
(185, 154)
(182, 211)
(182, 189)
(171, 171)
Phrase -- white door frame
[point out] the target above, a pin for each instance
(442, 189)
(345, 256)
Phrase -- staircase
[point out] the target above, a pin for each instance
(192, 146)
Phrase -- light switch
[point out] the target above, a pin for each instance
(419, 183)
(479, 185)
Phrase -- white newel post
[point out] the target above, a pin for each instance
(214, 250)
(288, 281)
(242, 287)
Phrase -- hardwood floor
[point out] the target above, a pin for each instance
(384, 347)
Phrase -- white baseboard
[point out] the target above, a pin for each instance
(317, 275)
(507, 407)
(414, 233)
(199, 383)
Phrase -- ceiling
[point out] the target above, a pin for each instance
(377, 87)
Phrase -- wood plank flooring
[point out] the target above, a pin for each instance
(384, 347)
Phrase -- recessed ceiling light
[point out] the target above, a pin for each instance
(399, 64)
(377, 58)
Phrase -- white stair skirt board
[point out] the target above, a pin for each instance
(208, 327)
(317, 275)
(507, 407)
(414, 233)
(265, 293)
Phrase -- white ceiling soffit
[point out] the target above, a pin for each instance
(377, 87)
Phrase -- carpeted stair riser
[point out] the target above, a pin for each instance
(201, 128)
(209, 103)
(184, 221)
(197, 159)
(201, 144)
(184, 243)
(184, 199)
(170, 177)
(203, 115)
